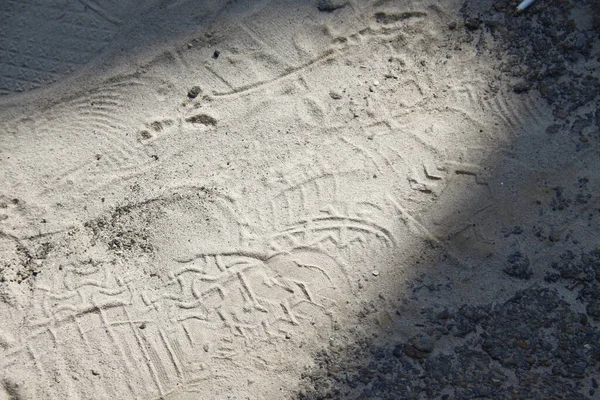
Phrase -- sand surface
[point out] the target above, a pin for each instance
(197, 197)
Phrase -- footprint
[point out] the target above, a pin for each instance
(155, 129)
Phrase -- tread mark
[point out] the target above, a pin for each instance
(149, 364)
(289, 72)
(113, 337)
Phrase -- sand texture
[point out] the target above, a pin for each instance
(276, 199)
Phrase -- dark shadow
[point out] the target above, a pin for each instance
(48, 42)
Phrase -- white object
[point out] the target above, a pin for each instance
(524, 4)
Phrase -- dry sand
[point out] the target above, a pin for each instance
(198, 196)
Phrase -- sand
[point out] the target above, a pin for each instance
(197, 197)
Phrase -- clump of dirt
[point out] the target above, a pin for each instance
(548, 48)
(122, 230)
(580, 272)
(18, 261)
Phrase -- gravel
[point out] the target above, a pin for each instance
(534, 336)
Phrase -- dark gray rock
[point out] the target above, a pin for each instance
(331, 5)
(194, 92)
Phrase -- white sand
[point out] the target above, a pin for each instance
(157, 246)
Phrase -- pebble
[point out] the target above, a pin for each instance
(561, 114)
(472, 24)
(581, 40)
(444, 314)
(413, 352)
(375, 273)
(519, 266)
(423, 343)
(521, 86)
(194, 92)
(335, 95)
(331, 5)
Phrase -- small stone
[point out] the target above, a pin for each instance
(444, 314)
(216, 54)
(423, 343)
(398, 351)
(521, 87)
(413, 352)
(519, 266)
(472, 24)
(331, 5)
(375, 273)
(593, 309)
(552, 129)
(194, 92)
(335, 95)
(581, 40)
(554, 237)
(561, 114)
(452, 25)
(375, 83)
(95, 373)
